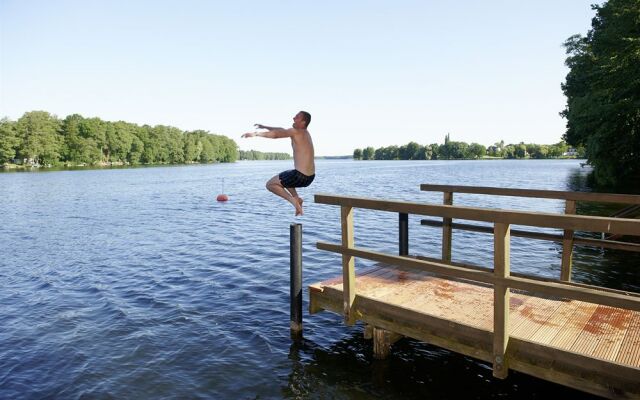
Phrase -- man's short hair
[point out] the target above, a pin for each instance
(306, 117)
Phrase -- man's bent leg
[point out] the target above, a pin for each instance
(295, 195)
(275, 187)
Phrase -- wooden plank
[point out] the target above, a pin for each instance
(348, 263)
(534, 315)
(537, 278)
(623, 226)
(537, 193)
(596, 330)
(372, 270)
(525, 284)
(574, 325)
(388, 282)
(618, 321)
(460, 302)
(629, 352)
(554, 324)
(606, 243)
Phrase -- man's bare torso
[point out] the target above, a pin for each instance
(303, 153)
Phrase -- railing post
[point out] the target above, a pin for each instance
(501, 254)
(446, 229)
(567, 245)
(403, 234)
(348, 265)
(295, 235)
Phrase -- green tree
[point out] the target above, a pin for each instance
(603, 91)
(119, 137)
(357, 154)
(39, 133)
(368, 153)
(8, 140)
(520, 150)
(79, 145)
(192, 147)
(475, 150)
(137, 149)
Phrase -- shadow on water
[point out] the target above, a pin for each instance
(348, 370)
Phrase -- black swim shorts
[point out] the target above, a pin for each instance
(294, 178)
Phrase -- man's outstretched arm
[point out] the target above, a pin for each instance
(269, 128)
(276, 133)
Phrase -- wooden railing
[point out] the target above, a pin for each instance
(567, 239)
(500, 277)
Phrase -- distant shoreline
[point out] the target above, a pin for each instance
(121, 165)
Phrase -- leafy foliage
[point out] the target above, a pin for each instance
(258, 155)
(603, 92)
(41, 138)
(452, 150)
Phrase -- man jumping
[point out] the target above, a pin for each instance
(285, 183)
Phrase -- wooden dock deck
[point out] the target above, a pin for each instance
(577, 335)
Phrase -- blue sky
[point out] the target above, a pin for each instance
(371, 73)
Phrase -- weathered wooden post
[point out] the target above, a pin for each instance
(403, 234)
(501, 270)
(348, 265)
(295, 233)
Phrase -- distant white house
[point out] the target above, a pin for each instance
(571, 152)
(25, 161)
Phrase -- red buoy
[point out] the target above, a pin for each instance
(222, 197)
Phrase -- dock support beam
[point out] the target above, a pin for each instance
(382, 341)
(295, 233)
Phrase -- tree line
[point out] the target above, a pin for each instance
(40, 138)
(603, 93)
(258, 155)
(452, 150)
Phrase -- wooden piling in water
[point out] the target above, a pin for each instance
(295, 233)
(403, 234)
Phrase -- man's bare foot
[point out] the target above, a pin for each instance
(298, 206)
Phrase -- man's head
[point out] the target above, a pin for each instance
(301, 120)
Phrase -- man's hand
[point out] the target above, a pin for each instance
(249, 134)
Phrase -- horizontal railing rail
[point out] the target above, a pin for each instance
(625, 226)
(606, 243)
(536, 193)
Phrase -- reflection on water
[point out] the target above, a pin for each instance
(414, 370)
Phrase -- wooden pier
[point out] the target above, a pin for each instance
(578, 335)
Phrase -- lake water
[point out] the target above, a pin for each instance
(136, 283)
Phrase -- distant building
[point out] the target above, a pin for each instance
(571, 152)
(24, 161)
